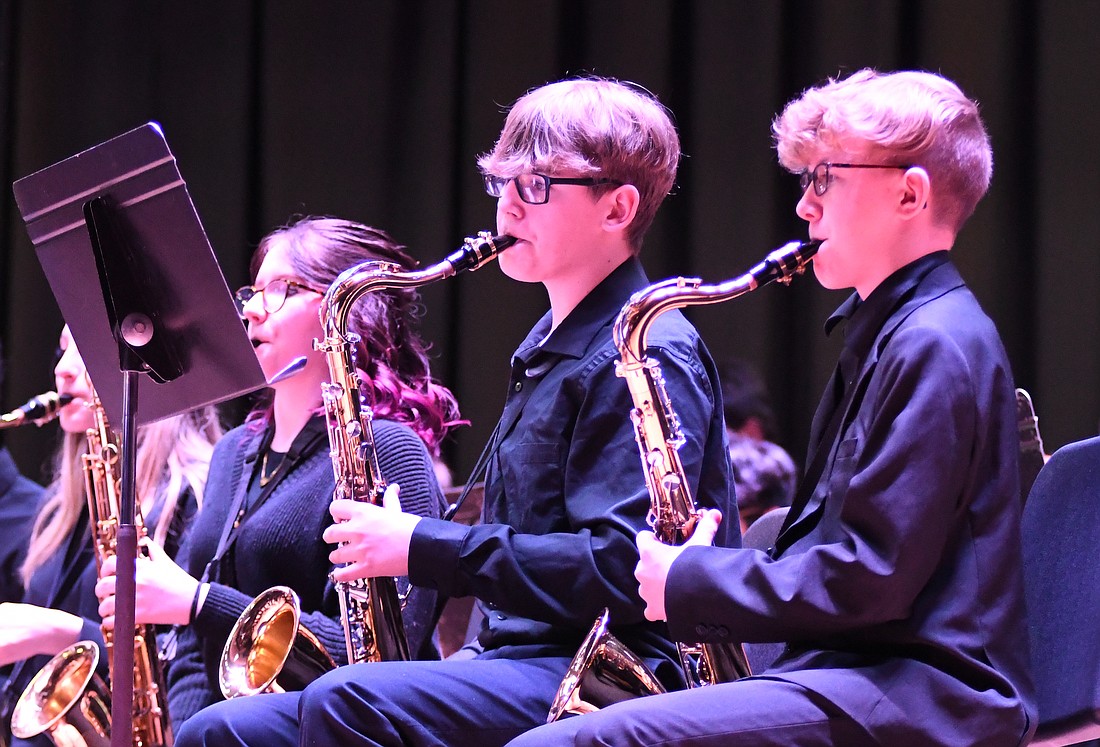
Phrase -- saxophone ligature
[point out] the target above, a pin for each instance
(66, 700)
(370, 609)
(673, 512)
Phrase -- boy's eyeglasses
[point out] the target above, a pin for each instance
(534, 189)
(819, 175)
(273, 295)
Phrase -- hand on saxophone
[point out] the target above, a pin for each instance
(372, 540)
(164, 591)
(655, 559)
(28, 630)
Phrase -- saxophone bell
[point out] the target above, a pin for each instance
(602, 672)
(269, 650)
(67, 701)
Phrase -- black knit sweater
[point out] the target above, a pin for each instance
(279, 543)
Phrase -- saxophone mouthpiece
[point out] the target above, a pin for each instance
(38, 410)
(477, 251)
(789, 260)
(289, 370)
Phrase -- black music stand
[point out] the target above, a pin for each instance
(120, 212)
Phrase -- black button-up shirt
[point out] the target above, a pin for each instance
(565, 491)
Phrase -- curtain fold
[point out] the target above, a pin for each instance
(377, 111)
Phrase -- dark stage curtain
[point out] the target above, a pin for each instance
(376, 111)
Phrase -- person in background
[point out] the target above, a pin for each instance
(19, 497)
(59, 606)
(764, 474)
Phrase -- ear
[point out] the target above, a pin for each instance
(916, 192)
(622, 206)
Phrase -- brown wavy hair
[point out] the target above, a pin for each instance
(391, 356)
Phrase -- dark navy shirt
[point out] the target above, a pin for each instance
(18, 500)
(565, 491)
(898, 589)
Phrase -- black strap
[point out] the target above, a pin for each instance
(303, 446)
(234, 508)
(491, 447)
(476, 474)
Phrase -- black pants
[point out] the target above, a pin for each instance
(479, 702)
(754, 712)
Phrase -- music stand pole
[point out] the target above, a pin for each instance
(122, 697)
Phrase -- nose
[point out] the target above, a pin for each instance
(809, 205)
(509, 202)
(69, 366)
(253, 309)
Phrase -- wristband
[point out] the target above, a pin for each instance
(195, 605)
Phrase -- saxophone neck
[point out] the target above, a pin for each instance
(103, 444)
(631, 329)
(641, 311)
(377, 275)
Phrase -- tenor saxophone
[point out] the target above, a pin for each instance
(370, 608)
(268, 650)
(66, 699)
(672, 511)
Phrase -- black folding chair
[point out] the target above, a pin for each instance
(761, 535)
(1061, 551)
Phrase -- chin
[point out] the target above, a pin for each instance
(77, 424)
(517, 270)
(822, 276)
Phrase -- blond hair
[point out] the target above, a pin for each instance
(173, 456)
(908, 118)
(592, 127)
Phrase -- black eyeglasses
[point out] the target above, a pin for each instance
(534, 189)
(274, 294)
(819, 175)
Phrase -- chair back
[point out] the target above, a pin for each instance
(763, 532)
(761, 535)
(460, 620)
(1059, 534)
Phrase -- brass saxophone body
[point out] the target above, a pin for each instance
(604, 671)
(371, 608)
(673, 512)
(67, 684)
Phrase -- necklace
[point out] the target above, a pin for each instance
(265, 476)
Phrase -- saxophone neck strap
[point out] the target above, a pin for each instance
(476, 475)
(304, 445)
